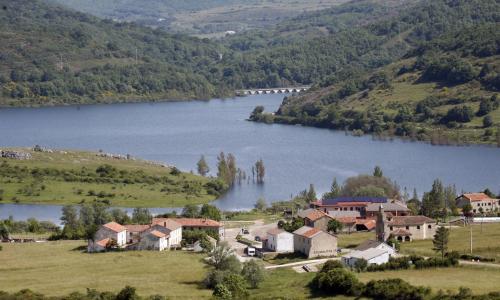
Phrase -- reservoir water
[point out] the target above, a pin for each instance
(179, 133)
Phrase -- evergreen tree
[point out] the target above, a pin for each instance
(440, 241)
(433, 201)
(202, 165)
(335, 190)
(377, 172)
(311, 194)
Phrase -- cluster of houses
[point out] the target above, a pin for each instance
(479, 202)
(388, 218)
(161, 234)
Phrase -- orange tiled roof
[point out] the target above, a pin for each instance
(275, 231)
(346, 220)
(170, 224)
(103, 242)
(368, 223)
(315, 214)
(157, 234)
(136, 227)
(190, 222)
(311, 232)
(114, 226)
(474, 197)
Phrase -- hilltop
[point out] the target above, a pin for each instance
(443, 89)
(52, 55)
(72, 177)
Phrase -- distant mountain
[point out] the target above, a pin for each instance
(444, 88)
(51, 55)
(201, 17)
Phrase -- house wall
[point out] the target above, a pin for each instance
(378, 260)
(323, 244)
(321, 223)
(419, 232)
(103, 233)
(175, 237)
(487, 205)
(284, 242)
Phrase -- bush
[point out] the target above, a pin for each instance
(487, 121)
(337, 281)
(222, 292)
(394, 289)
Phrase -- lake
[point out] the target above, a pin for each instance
(179, 133)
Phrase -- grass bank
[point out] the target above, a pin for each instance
(72, 177)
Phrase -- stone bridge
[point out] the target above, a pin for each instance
(281, 90)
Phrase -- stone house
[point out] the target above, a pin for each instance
(313, 242)
(279, 240)
(315, 218)
(479, 202)
(404, 228)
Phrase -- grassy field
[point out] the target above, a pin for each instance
(485, 243)
(352, 240)
(58, 268)
(56, 190)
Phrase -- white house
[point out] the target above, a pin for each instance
(174, 230)
(372, 256)
(106, 233)
(371, 244)
(279, 240)
(154, 240)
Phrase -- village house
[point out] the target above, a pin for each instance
(374, 252)
(153, 240)
(107, 233)
(480, 202)
(347, 203)
(195, 224)
(404, 228)
(313, 242)
(392, 208)
(134, 232)
(279, 240)
(315, 218)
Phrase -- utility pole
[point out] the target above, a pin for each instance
(136, 55)
(470, 226)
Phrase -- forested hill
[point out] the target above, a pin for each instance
(51, 55)
(445, 89)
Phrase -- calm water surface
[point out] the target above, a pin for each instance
(179, 132)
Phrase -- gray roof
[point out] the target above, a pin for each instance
(387, 207)
(369, 244)
(367, 254)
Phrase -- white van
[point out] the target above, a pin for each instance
(250, 251)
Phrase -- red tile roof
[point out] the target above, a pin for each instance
(114, 226)
(346, 220)
(190, 222)
(275, 231)
(315, 214)
(103, 242)
(410, 220)
(311, 232)
(368, 223)
(474, 197)
(170, 224)
(136, 227)
(157, 234)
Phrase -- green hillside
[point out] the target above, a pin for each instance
(51, 55)
(72, 177)
(208, 18)
(444, 89)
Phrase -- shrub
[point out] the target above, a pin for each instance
(394, 289)
(337, 281)
(222, 292)
(487, 121)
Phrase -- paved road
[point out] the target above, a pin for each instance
(480, 264)
(310, 262)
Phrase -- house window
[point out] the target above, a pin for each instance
(418, 226)
(391, 228)
(407, 227)
(429, 226)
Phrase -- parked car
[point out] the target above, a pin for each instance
(250, 251)
(244, 231)
(257, 238)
